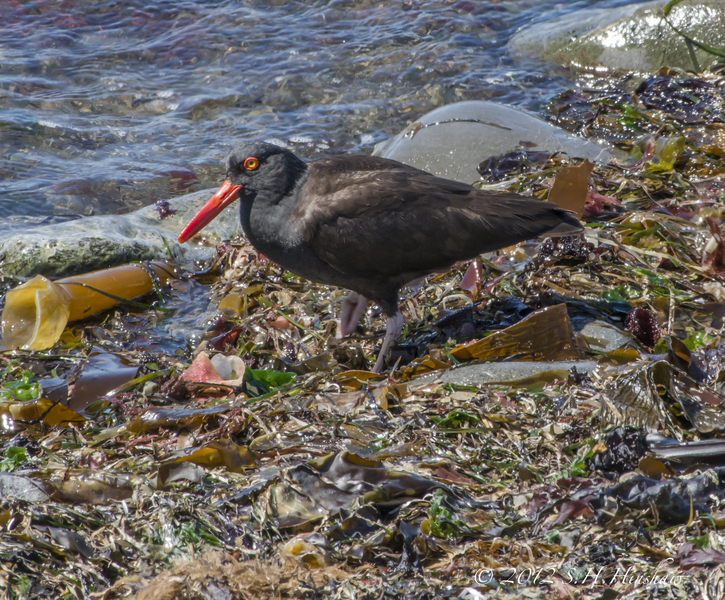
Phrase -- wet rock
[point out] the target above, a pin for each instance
(604, 337)
(634, 37)
(451, 141)
(79, 246)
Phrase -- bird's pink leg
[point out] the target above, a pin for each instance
(392, 330)
(351, 312)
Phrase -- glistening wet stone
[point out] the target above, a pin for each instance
(93, 243)
(633, 37)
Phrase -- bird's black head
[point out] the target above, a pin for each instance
(263, 168)
(256, 172)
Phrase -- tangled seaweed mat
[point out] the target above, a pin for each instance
(310, 477)
(251, 579)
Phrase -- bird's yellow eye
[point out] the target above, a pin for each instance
(251, 163)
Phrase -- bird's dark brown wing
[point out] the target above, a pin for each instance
(375, 217)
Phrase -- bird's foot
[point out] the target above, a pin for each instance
(392, 330)
(351, 312)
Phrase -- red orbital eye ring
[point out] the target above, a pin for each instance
(251, 163)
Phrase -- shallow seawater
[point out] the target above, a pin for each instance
(108, 106)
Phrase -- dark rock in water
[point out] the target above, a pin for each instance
(634, 37)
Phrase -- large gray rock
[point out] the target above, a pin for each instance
(92, 243)
(451, 141)
(634, 37)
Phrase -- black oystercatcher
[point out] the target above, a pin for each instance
(369, 224)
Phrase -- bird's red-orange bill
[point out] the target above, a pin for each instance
(226, 194)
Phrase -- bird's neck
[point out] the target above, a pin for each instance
(284, 173)
(266, 218)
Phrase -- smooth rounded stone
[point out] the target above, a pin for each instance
(91, 243)
(19, 487)
(451, 141)
(505, 372)
(634, 37)
(604, 337)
